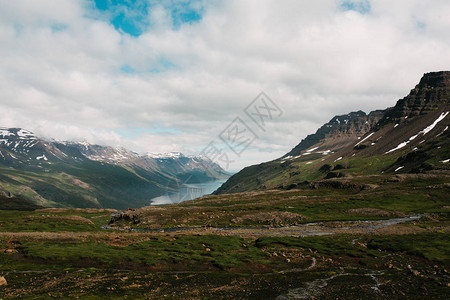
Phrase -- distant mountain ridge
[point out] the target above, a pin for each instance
(79, 174)
(412, 137)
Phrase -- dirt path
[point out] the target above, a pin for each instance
(311, 229)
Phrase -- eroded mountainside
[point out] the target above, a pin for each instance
(412, 137)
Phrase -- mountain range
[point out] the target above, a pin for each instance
(78, 174)
(410, 137)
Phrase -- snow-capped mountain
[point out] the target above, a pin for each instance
(79, 174)
(22, 147)
(165, 155)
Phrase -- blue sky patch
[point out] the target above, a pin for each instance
(127, 69)
(361, 6)
(133, 16)
(184, 13)
(59, 27)
(163, 65)
(422, 26)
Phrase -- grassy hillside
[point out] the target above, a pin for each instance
(87, 184)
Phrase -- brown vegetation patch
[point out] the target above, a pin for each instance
(400, 229)
(83, 210)
(342, 184)
(76, 219)
(367, 211)
(281, 218)
(403, 177)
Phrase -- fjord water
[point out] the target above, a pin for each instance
(188, 192)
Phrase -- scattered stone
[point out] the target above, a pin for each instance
(361, 245)
(270, 219)
(3, 281)
(8, 251)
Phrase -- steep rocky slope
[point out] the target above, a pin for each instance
(412, 136)
(339, 132)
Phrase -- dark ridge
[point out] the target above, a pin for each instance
(17, 203)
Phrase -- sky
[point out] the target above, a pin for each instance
(162, 76)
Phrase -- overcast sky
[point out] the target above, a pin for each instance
(160, 76)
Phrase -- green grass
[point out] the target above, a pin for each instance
(325, 245)
(224, 252)
(48, 221)
(368, 165)
(432, 246)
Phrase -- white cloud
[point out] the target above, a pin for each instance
(60, 72)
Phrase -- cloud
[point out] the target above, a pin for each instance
(70, 70)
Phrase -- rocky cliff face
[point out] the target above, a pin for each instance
(432, 93)
(339, 132)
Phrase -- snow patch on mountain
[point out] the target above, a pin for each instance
(399, 168)
(312, 149)
(42, 157)
(5, 132)
(25, 134)
(429, 128)
(364, 139)
(165, 155)
(424, 132)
